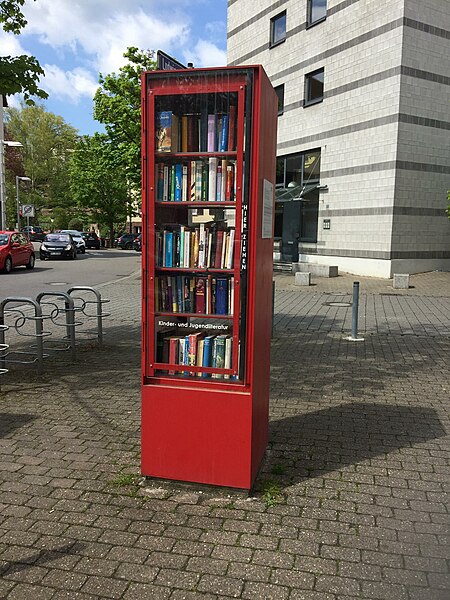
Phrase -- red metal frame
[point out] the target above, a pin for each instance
(211, 430)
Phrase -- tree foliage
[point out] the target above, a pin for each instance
(18, 74)
(99, 180)
(117, 104)
(48, 144)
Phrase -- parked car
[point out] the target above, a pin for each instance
(137, 244)
(78, 239)
(126, 240)
(15, 250)
(58, 245)
(91, 239)
(34, 233)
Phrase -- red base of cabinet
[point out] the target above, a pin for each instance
(200, 435)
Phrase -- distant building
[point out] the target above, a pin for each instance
(363, 128)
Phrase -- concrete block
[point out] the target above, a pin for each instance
(302, 279)
(315, 269)
(401, 281)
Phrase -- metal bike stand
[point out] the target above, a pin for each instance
(98, 302)
(39, 333)
(3, 348)
(70, 316)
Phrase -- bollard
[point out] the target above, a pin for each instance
(355, 308)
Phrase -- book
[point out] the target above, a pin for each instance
(166, 184)
(219, 183)
(198, 180)
(223, 145)
(192, 348)
(221, 304)
(172, 183)
(192, 181)
(207, 350)
(184, 133)
(178, 182)
(212, 179)
(228, 347)
(203, 130)
(230, 253)
(212, 123)
(200, 295)
(166, 131)
(184, 183)
(200, 347)
(173, 352)
(229, 191)
(201, 246)
(224, 180)
(192, 135)
(159, 182)
(218, 253)
(232, 129)
(168, 244)
(218, 355)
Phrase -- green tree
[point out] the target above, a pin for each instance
(48, 144)
(117, 104)
(99, 180)
(18, 74)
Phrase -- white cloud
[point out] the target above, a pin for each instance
(102, 29)
(206, 54)
(70, 86)
(10, 45)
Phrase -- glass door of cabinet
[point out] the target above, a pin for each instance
(197, 232)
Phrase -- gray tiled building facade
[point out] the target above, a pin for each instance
(363, 130)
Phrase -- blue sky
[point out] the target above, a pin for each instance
(74, 40)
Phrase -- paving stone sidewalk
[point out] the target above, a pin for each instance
(352, 501)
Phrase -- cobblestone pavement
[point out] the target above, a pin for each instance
(350, 503)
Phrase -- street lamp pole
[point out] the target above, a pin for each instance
(18, 178)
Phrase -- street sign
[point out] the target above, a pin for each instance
(27, 210)
(166, 62)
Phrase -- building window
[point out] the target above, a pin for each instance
(314, 87)
(297, 184)
(278, 29)
(317, 11)
(279, 90)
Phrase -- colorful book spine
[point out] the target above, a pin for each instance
(223, 145)
(232, 129)
(168, 256)
(164, 129)
(221, 304)
(212, 179)
(228, 348)
(207, 354)
(192, 181)
(178, 182)
(184, 183)
(212, 123)
(200, 296)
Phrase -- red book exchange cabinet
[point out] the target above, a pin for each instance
(209, 148)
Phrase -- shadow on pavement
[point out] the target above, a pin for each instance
(9, 422)
(312, 444)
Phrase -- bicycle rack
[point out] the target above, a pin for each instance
(3, 348)
(98, 302)
(20, 321)
(69, 310)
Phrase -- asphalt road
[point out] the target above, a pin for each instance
(93, 268)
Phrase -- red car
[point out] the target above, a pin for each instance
(15, 251)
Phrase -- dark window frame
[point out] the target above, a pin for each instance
(309, 11)
(273, 21)
(308, 101)
(305, 205)
(280, 98)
